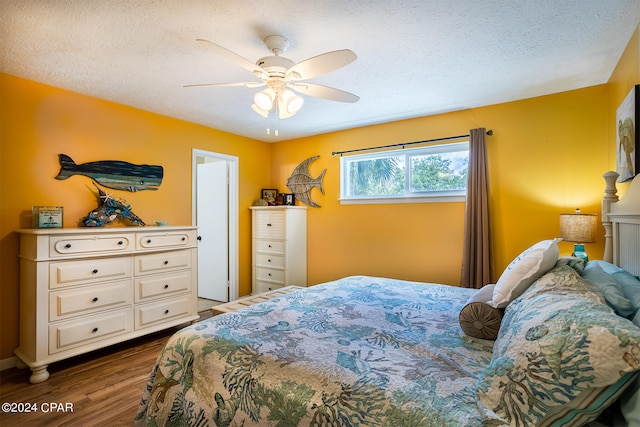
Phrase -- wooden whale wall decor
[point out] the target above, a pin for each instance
(114, 173)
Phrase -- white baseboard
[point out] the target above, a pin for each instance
(8, 363)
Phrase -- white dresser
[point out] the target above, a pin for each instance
(279, 255)
(86, 288)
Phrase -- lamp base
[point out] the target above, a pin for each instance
(578, 252)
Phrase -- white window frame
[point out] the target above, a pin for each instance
(418, 197)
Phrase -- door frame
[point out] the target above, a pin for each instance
(232, 163)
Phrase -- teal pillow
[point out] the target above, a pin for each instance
(630, 287)
(610, 288)
(606, 266)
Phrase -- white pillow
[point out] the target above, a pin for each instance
(525, 269)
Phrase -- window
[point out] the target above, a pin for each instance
(433, 173)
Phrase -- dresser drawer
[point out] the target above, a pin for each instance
(269, 246)
(269, 274)
(261, 287)
(269, 224)
(89, 299)
(270, 260)
(70, 334)
(161, 311)
(169, 240)
(166, 261)
(65, 246)
(68, 273)
(160, 285)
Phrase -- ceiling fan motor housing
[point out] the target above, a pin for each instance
(276, 66)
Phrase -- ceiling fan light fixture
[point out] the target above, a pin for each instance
(263, 113)
(264, 99)
(289, 104)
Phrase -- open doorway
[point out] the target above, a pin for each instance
(215, 212)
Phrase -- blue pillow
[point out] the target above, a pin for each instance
(610, 288)
(606, 266)
(630, 286)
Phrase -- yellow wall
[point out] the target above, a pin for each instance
(547, 156)
(624, 77)
(38, 122)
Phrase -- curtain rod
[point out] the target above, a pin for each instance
(446, 138)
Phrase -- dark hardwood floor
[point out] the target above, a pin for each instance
(102, 388)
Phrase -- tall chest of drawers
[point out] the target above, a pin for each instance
(279, 255)
(87, 288)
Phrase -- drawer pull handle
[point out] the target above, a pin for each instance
(269, 274)
(269, 245)
(120, 242)
(67, 246)
(95, 299)
(166, 311)
(268, 260)
(166, 286)
(166, 262)
(183, 239)
(94, 330)
(268, 225)
(95, 271)
(148, 240)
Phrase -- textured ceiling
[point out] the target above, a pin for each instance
(415, 57)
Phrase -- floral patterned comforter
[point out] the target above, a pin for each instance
(357, 351)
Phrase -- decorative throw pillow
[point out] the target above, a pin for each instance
(524, 270)
(610, 288)
(477, 318)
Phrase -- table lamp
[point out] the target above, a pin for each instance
(580, 229)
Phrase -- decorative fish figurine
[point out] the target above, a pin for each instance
(301, 182)
(114, 173)
(110, 209)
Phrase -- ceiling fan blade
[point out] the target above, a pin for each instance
(326, 92)
(322, 64)
(245, 84)
(234, 57)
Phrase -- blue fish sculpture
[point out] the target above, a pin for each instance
(301, 182)
(114, 174)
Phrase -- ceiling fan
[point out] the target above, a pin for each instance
(284, 78)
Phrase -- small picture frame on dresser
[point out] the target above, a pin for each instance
(288, 199)
(47, 216)
(270, 194)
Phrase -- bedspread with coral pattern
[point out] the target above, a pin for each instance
(358, 351)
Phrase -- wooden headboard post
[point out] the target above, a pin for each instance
(610, 196)
(621, 219)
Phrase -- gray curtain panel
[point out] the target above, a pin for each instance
(476, 258)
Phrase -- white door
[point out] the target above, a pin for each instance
(213, 230)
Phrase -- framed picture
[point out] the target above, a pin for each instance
(47, 216)
(288, 199)
(627, 144)
(269, 194)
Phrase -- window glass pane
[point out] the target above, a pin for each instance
(433, 172)
(439, 172)
(376, 176)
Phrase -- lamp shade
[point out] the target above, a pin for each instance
(579, 228)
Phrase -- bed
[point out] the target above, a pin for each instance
(554, 342)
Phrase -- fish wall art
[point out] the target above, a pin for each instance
(114, 174)
(301, 182)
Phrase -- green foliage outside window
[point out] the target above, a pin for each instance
(429, 172)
